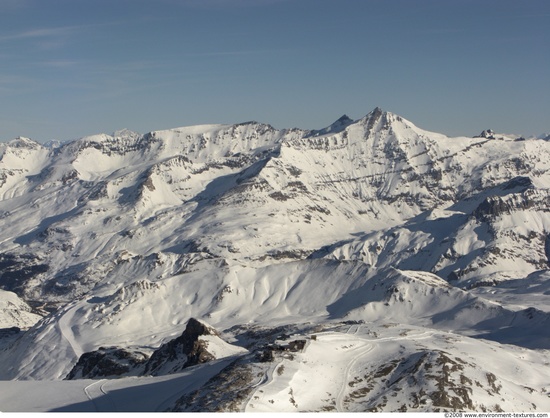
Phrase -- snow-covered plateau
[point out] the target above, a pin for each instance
(367, 266)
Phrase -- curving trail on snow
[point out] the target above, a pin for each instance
(65, 328)
(361, 351)
(101, 399)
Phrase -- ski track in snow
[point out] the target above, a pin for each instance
(64, 325)
(357, 327)
(362, 350)
(266, 378)
(99, 396)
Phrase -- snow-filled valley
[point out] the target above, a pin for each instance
(367, 266)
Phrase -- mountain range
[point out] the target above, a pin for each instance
(367, 266)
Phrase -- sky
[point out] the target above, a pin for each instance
(71, 68)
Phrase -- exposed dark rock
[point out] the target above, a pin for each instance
(279, 196)
(491, 207)
(281, 255)
(518, 182)
(185, 351)
(16, 270)
(339, 125)
(267, 354)
(8, 332)
(487, 133)
(494, 206)
(449, 388)
(232, 386)
(106, 362)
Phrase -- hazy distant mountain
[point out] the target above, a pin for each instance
(367, 266)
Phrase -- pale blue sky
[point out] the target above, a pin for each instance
(70, 68)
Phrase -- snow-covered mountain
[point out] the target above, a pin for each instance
(115, 242)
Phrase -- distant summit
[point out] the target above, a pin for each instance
(126, 133)
(338, 126)
(53, 143)
(487, 133)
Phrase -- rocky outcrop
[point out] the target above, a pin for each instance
(487, 133)
(185, 351)
(199, 343)
(494, 206)
(107, 362)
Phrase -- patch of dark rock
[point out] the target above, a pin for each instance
(185, 351)
(297, 186)
(265, 356)
(9, 332)
(232, 386)
(106, 362)
(547, 249)
(520, 181)
(148, 183)
(492, 380)
(494, 206)
(293, 254)
(268, 353)
(294, 171)
(16, 270)
(44, 308)
(386, 370)
(279, 196)
(236, 162)
(487, 133)
(319, 209)
(258, 338)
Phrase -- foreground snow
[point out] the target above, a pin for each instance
(352, 366)
(146, 394)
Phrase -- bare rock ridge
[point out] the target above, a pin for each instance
(177, 354)
(106, 362)
(185, 351)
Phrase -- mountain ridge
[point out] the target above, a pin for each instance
(118, 240)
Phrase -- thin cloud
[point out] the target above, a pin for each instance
(443, 31)
(7, 6)
(60, 63)
(17, 84)
(39, 33)
(49, 33)
(232, 53)
(224, 4)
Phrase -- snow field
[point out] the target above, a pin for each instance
(145, 394)
(311, 378)
(14, 312)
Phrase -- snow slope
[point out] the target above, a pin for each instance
(345, 367)
(395, 368)
(15, 313)
(146, 394)
(118, 240)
